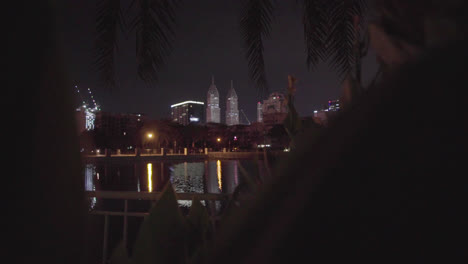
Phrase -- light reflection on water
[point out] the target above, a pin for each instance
(236, 175)
(219, 174)
(150, 177)
(216, 176)
(90, 175)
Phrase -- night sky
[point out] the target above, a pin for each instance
(207, 42)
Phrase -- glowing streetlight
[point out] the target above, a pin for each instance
(218, 139)
(148, 139)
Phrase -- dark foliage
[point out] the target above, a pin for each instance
(329, 33)
(153, 27)
(109, 20)
(255, 27)
(381, 184)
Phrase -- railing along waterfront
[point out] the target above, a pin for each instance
(149, 196)
(180, 152)
(189, 156)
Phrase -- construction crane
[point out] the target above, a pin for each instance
(81, 96)
(248, 121)
(85, 102)
(88, 109)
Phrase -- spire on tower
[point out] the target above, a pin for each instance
(231, 92)
(212, 79)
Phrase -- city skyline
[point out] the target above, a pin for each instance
(207, 43)
(273, 106)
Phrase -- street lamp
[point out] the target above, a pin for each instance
(149, 140)
(218, 141)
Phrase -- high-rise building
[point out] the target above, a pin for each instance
(188, 112)
(328, 111)
(274, 109)
(232, 110)
(213, 112)
(259, 112)
(118, 124)
(333, 105)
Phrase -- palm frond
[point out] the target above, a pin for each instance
(315, 30)
(154, 36)
(361, 9)
(108, 21)
(342, 35)
(255, 26)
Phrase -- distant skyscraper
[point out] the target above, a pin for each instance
(188, 112)
(213, 112)
(274, 109)
(232, 110)
(334, 105)
(259, 112)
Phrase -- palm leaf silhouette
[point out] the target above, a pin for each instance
(328, 29)
(255, 26)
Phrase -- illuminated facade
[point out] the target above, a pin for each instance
(188, 112)
(213, 112)
(334, 105)
(232, 110)
(259, 112)
(86, 118)
(323, 115)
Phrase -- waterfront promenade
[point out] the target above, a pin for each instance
(185, 156)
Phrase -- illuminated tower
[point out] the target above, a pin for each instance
(213, 112)
(259, 112)
(232, 110)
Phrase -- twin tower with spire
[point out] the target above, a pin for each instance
(213, 111)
